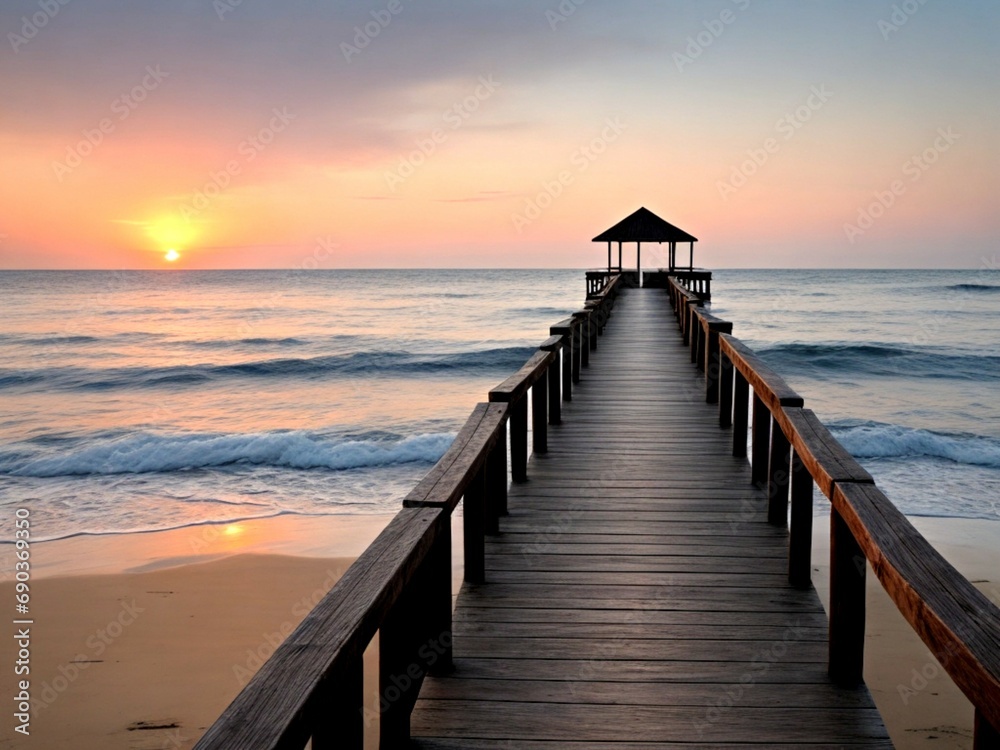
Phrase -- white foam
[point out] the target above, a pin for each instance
(877, 440)
(145, 452)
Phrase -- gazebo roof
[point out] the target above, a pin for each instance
(644, 226)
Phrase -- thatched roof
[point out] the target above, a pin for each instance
(644, 226)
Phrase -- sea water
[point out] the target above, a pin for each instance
(136, 401)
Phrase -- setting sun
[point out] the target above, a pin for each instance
(171, 255)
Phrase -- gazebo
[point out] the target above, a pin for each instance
(645, 226)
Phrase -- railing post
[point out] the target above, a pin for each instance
(741, 405)
(582, 325)
(847, 604)
(496, 483)
(713, 362)
(437, 607)
(554, 377)
(474, 528)
(565, 331)
(726, 391)
(778, 462)
(577, 356)
(800, 529)
(519, 439)
(760, 442)
(337, 710)
(539, 414)
(398, 644)
(595, 326)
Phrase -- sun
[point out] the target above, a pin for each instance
(171, 255)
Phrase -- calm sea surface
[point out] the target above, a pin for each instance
(151, 400)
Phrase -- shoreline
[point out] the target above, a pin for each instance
(146, 638)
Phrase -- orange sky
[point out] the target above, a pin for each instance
(780, 134)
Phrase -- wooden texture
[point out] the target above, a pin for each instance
(274, 709)
(442, 486)
(767, 384)
(636, 595)
(825, 458)
(956, 621)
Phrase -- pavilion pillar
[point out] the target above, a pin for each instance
(609, 257)
(619, 256)
(638, 263)
(691, 257)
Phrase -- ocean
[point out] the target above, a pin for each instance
(136, 401)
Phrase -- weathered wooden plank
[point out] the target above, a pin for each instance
(955, 620)
(519, 721)
(825, 458)
(270, 711)
(768, 384)
(444, 484)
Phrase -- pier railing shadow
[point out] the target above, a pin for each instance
(312, 688)
(791, 451)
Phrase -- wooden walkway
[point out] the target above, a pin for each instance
(637, 596)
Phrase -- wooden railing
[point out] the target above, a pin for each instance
(791, 450)
(400, 587)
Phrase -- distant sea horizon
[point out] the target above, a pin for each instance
(144, 400)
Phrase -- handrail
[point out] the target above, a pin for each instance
(791, 451)
(400, 586)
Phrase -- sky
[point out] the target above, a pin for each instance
(496, 133)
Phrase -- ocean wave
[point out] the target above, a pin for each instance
(144, 453)
(880, 440)
(358, 363)
(984, 288)
(880, 359)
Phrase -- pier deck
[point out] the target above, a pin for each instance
(636, 595)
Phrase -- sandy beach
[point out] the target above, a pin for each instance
(140, 642)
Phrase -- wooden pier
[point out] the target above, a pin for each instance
(635, 582)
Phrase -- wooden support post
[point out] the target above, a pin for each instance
(582, 325)
(577, 359)
(800, 530)
(337, 710)
(398, 644)
(741, 404)
(565, 333)
(437, 587)
(539, 416)
(778, 476)
(726, 392)
(693, 335)
(985, 735)
(554, 376)
(474, 528)
(713, 360)
(519, 439)
(759, 443)
(496, 483)
(567, 368)
(847, 605)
